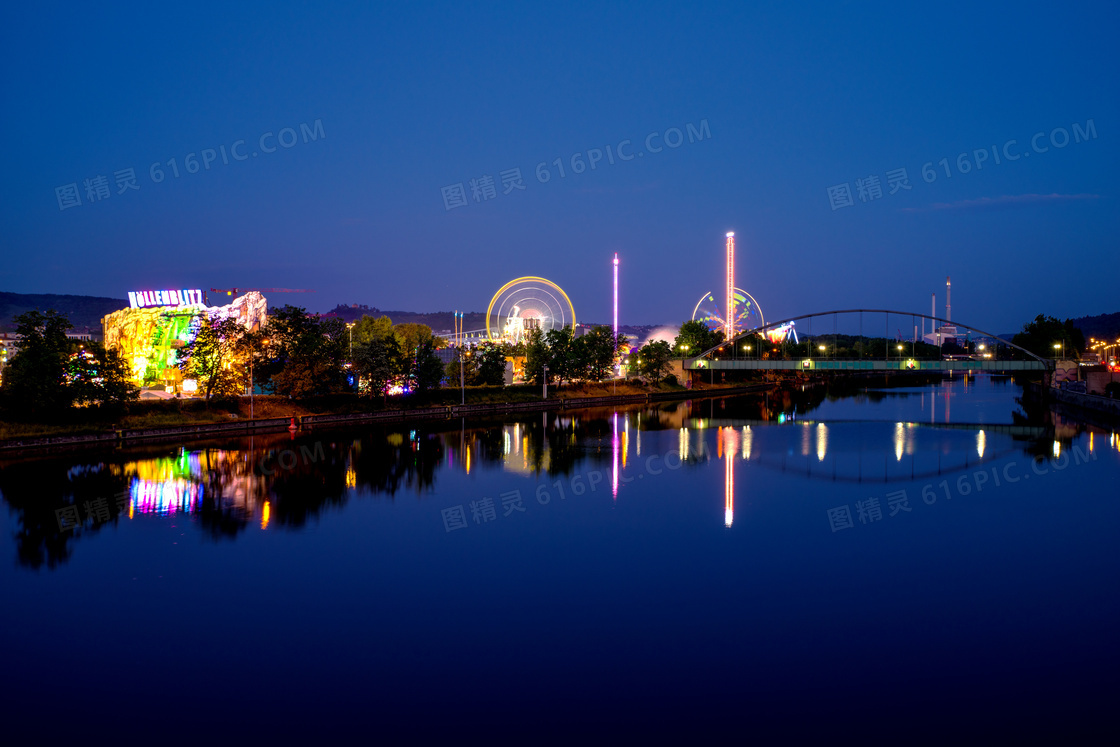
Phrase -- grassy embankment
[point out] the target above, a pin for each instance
(167, 413)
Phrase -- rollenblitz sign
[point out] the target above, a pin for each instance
(144, 299)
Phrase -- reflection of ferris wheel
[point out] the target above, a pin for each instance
(748, 314)
(527, 303)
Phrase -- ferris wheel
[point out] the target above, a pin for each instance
(528, 303)
(747, 314)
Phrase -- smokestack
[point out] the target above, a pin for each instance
(948, 308)
(932, 313)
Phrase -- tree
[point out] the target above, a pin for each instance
(212, 358)
(653, 360)
(376, 364)
(464, 365)
(305, 354)
(427, 372)
(99, 376)
(1044, 332)
(563, 354)
(369, 328)
(491, 364)
(35, 381)
(697, 337)
(412, 335)
(536, 357)
(600, 345)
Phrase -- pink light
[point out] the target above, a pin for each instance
(729, 309)
(616, 301)
(614, 450)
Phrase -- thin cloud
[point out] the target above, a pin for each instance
(1003, 201)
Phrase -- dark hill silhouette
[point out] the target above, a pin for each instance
(82, 311)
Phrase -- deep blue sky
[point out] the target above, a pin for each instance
(798, 98)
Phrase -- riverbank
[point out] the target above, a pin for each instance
(302, 416)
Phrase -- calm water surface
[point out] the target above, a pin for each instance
(905, 564)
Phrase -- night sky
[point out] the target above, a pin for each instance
(411, 100)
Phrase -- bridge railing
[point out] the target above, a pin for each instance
(783, 340)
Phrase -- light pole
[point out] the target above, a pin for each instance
(545, 378)
(462, 375)
(1060, 345)
(350, 327)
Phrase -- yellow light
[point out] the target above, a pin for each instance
(265, 513)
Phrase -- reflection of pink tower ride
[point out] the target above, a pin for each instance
(729, 323)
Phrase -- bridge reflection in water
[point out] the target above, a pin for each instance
(866, 451)
(275, 483)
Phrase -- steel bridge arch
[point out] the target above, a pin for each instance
(757, 330)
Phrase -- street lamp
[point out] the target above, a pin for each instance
(821, 348)
(545, 377)
(1062, 346)
(350, 327)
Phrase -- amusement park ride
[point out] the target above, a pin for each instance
(531, 302)
(740, 311)
(528, 303)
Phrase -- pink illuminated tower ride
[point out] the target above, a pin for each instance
(729, 309)
(616, 301)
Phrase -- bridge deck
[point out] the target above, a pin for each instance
(823, 364)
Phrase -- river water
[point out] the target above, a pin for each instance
(934, 562)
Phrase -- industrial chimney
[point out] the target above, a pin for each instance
(948, 308)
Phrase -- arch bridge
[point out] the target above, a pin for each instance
(776, 347)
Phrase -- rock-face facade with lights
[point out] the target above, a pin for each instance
(148, 338)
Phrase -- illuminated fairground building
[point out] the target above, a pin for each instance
(150, 332)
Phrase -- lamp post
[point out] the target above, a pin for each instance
(545, 379)
(1061, 346)
(350, 327)
(462, 375)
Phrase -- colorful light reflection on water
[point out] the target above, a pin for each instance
(165, 498)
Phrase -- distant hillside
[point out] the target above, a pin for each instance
(1102, 326)
(445, 320)
(83, 311)
(437, 320)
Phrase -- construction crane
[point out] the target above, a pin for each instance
(233, 291)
